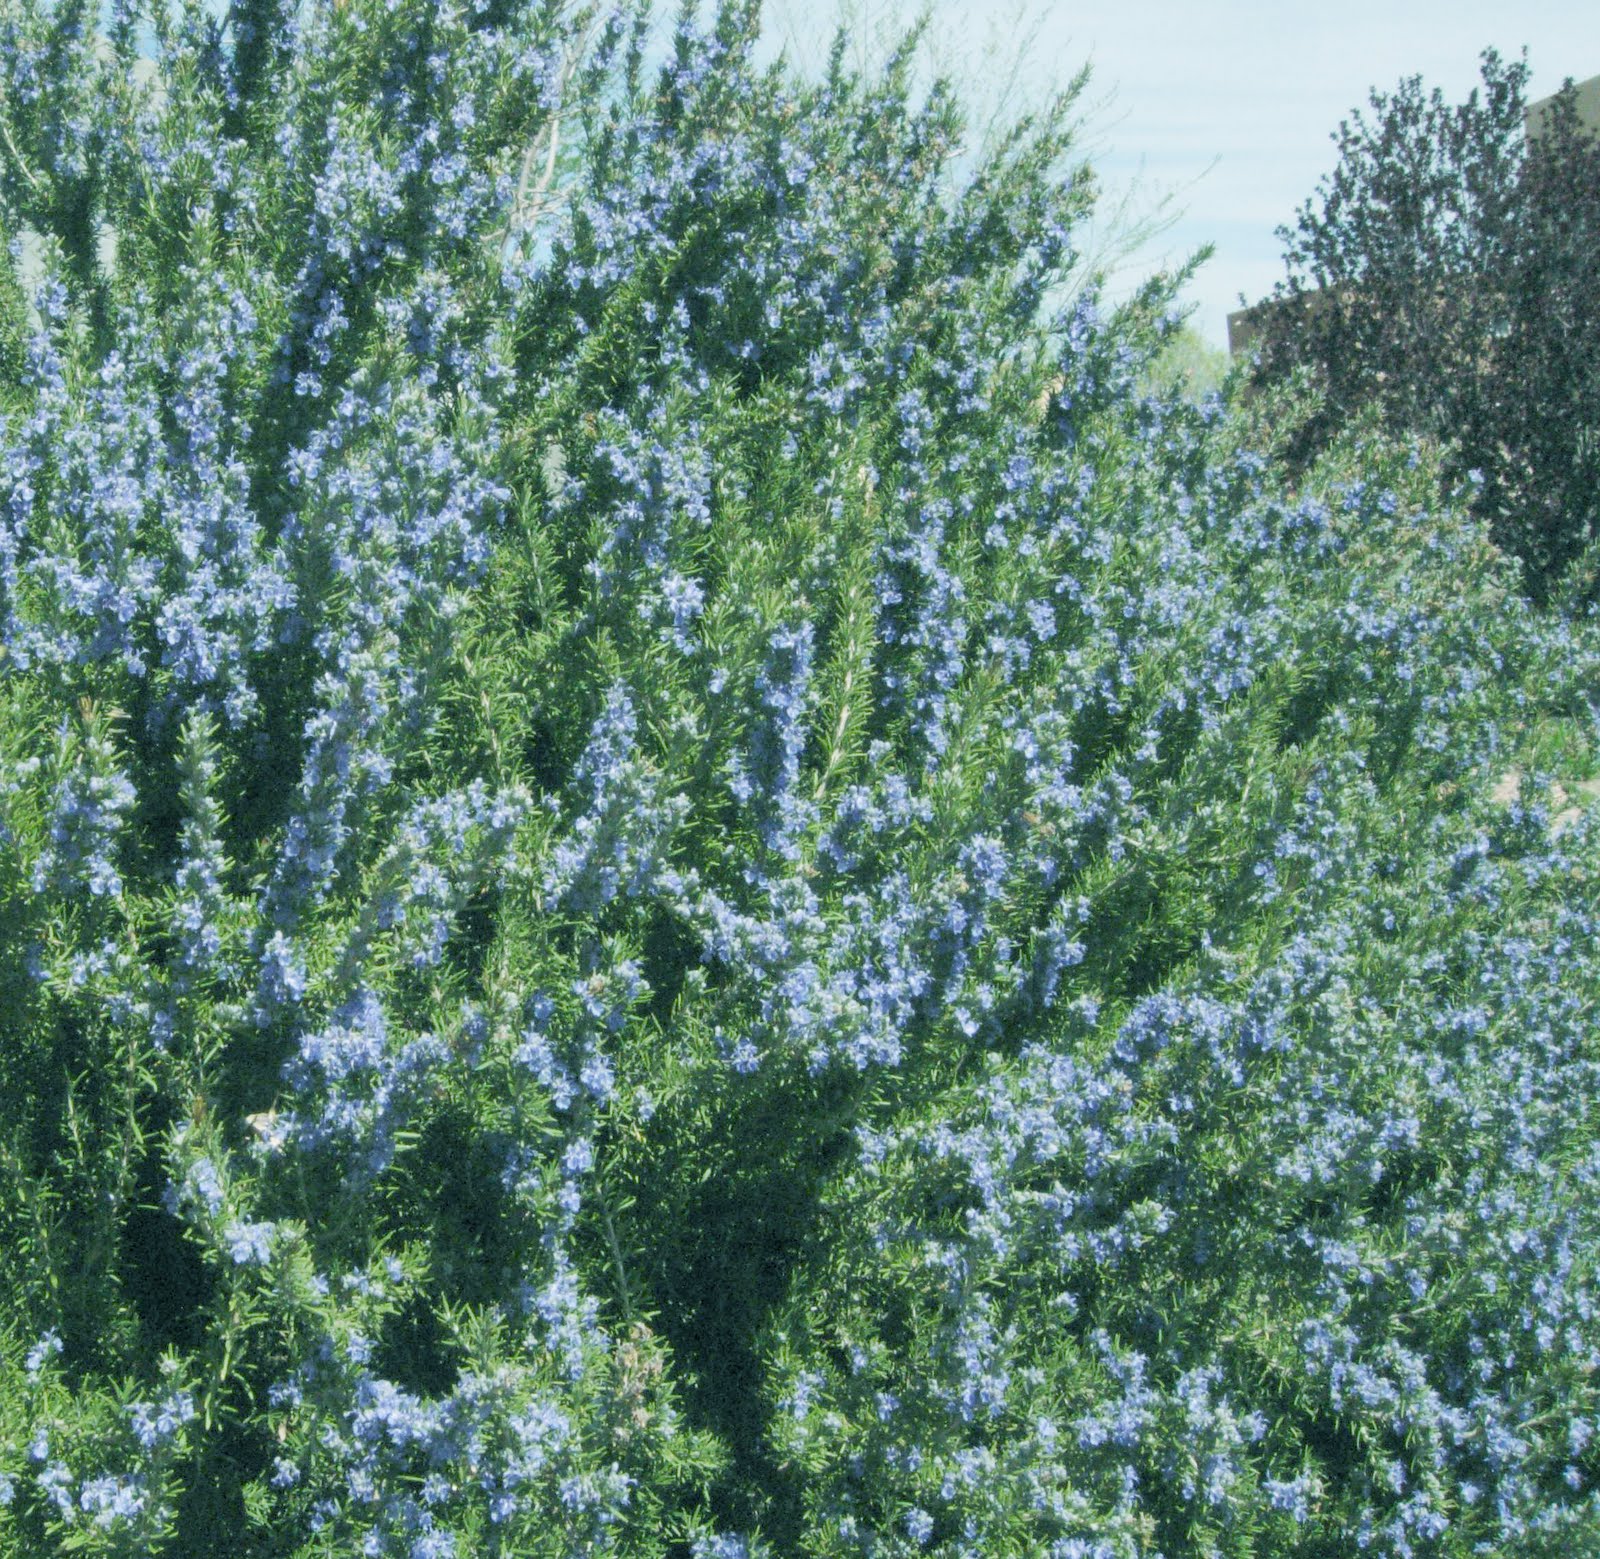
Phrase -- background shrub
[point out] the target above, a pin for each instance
(1447, 276)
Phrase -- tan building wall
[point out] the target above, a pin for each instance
(1588, 108)
(1244, 325)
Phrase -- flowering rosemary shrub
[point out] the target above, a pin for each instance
(676, 880)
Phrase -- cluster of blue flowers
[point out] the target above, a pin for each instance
(680, 877)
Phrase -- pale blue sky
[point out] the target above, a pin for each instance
(1227, 106)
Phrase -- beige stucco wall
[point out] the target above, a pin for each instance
(1588, 107)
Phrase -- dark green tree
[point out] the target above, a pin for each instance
(1446, 277)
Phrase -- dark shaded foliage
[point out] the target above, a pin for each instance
(1447, 276)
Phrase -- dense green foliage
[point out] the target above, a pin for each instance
(676, 878)
(1447, 276)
